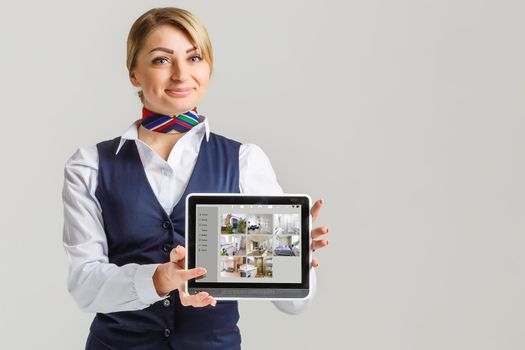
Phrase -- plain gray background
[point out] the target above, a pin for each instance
(405, 116)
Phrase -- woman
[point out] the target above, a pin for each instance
(124, 200)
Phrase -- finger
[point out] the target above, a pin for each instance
(178, 254)
(200, 299)
(191, 300)
(211, 301)
(203, 299)
(319, 231)
(315, 262)
(318, 244)
(185, 275)
(316, 208)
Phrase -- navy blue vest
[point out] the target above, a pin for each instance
(139, 231)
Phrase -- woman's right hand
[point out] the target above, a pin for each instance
(172, 275)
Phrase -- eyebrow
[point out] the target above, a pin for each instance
(171, 51)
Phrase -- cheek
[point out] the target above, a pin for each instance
(155, 80)
(203, 80)
(203, 76)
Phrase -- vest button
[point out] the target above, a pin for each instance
(166, 247)
(166, 224)
(167, 332)
(166, 303)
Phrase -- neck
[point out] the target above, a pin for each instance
(157, 138)
(164, 112)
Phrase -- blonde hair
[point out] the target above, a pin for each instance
(176, 17)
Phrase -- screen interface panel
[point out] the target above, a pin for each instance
(249, 243)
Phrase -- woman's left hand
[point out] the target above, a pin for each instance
(318, 231)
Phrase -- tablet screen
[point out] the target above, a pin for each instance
(249, 243)
(251, 246)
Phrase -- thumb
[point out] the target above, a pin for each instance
(177, 254)
(186, 275)
(316, 208)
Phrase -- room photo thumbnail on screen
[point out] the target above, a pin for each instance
(260, 234)
(246, 267)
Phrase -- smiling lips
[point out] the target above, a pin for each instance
(179, 92)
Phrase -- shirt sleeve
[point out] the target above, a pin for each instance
(95, 284)
(256, 176)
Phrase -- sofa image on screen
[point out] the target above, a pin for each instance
(259, 245)
(233, 223)
(289, 245)
(232, 245)
(286, 224)
(260, 224)
(231, 266)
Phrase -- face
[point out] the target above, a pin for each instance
(171, 72)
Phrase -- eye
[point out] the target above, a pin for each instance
(196, 56)
(159, 59)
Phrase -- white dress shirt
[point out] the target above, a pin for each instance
(99, 286)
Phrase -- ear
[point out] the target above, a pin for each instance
(133, 79)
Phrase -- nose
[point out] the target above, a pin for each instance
(180, 71)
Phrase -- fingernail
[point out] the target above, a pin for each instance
(327, 230)
(322, 201)
(325, 242)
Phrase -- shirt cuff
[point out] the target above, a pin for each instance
(144, 286)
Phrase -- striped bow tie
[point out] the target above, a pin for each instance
(169, 124)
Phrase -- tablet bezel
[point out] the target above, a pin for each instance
(244, 290)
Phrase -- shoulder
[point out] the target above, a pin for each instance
(223, 139)
(87, 157)
(257, 173)
(108, 146)
(80, 172)
(252, 151)
(83, 157)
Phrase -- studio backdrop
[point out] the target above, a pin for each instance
(406, 117)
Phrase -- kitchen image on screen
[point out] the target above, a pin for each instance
(262, 267)
(231, 266)
(232, 245)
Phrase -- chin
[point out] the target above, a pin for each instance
(182, 102)
(179, 108)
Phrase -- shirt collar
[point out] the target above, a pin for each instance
(132, 132)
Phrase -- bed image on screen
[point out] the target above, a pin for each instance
(288, 245)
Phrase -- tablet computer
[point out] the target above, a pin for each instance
(253, 247)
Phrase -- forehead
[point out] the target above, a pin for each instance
(169, 37)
